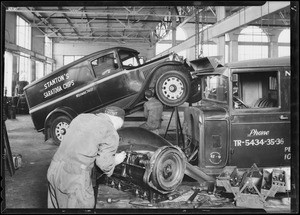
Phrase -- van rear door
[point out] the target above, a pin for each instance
(260, 117)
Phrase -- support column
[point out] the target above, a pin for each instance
(233, 46)
(174, 25)
(33, 71)
(273, 46)
(197, 36)
(221, 13)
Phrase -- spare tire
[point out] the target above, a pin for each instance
(196, 92)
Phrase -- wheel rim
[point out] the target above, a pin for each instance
(60, 130)
(172, 88)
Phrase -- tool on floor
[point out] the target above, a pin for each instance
(111, 200)
(141, 204)
(202, 200)
(193, 196)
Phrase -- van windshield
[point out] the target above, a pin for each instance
(129, 59)
(215, 87)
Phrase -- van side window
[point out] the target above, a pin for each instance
(104, 65)
(255, 90)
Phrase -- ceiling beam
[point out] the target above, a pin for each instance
(130, 13)
(89, 22)
(48, 23)
(236, 20)
(70, 22)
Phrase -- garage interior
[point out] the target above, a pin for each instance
(39, 38)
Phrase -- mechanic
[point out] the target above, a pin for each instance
(90, 138)
(153, 110)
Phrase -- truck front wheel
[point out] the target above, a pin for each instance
(58, 128)
(173, 88)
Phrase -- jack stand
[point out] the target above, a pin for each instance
(178, 126)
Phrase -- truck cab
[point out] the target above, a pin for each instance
(243, 117)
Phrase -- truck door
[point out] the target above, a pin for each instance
(260, 117)
(111, 81)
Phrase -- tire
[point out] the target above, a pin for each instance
(196, 92)
(173, 88)
(58, 128)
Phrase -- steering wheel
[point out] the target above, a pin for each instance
(239, 100)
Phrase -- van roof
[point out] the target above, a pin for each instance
(79, 61)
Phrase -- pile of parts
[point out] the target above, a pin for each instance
(251, 188)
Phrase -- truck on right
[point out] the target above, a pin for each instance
(243, 117)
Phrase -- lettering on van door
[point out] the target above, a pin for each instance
(57, 85)
(267, 145)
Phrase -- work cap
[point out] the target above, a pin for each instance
(115, 111)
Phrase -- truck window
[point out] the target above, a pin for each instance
(215, 88)
(104, 65)
(255, 90)
(129, 59)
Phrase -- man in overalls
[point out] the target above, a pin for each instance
(153, 110)
(90, 138)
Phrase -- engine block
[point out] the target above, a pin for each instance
(150, 175)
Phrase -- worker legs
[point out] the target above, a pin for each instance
(69, 190)
(80, 198)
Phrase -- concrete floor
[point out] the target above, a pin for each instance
(27, 188)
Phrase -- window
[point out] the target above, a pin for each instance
(48, 47)
(39, 70)
(166, 42)
(161, 47)
(215, 87)
(8, 73)
(71, 58)
(23, 37)
(23, 33)
(129, 59)
(24, 68)
(255, 90)
(253, 43)
(48, 68)
(209, 50)
(104, 65)
(284, 43)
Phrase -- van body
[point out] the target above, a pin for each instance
(114, 76)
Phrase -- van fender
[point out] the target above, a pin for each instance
(67, 111)
(160, 69)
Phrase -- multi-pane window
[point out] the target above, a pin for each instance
(70, 58)
(48, 47)
(48, 68)
(209, 50)
(166, 42)
(23, 33)
(24, 68)
(39, 70)
(253, 43)
(24, 40)
(284, 41)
